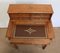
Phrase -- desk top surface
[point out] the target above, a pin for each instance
(29, 31)
(30, 8)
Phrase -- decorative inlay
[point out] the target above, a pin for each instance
(30, 30)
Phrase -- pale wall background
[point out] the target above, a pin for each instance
(4, 18)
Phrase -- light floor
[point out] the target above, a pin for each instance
(6, 47)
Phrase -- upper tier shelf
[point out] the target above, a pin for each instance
(30, 8)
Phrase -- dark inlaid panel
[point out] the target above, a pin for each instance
(30, 31)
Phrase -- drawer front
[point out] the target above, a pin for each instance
(27, 16)
(30, 31)
(40, 16)
(18, 16)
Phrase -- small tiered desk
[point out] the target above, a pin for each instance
(30, 24)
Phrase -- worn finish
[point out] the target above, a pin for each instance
(29, 17)
(30, 8)
(30, 31)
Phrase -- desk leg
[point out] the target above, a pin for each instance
(15, 46)
(44, 46)
(50, 38)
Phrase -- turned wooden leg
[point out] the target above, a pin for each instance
(50, 38)
(44, 46)
(15, 46)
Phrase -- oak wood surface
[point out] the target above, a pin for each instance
(30, 41)
(50, 30)
(30, 14)
(30, 8)
(10, 30)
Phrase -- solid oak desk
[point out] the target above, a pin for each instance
(30, 24)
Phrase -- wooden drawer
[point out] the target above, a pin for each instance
(40, 15)
(18, 16)
(31, 22)
(29, 16)
(31, 41)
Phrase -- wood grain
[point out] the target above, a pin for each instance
(30, 14)
(10, 30)
(30, 8)
(50, 30)
(30, 41)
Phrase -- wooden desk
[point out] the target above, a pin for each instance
(30, 24)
